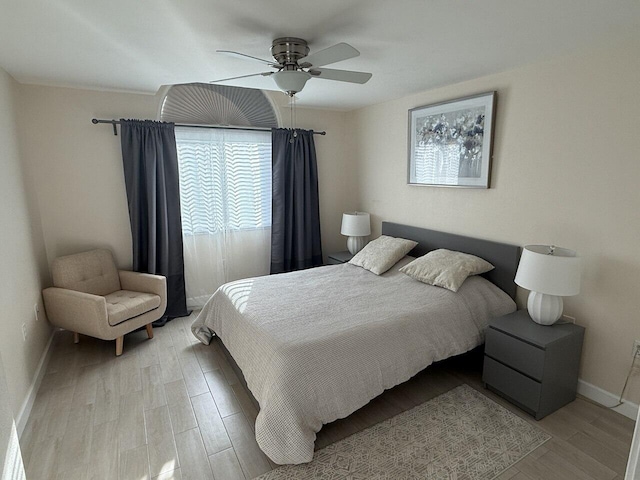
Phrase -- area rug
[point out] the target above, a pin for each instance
(459, 435)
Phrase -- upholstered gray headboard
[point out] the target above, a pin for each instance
(503, 256)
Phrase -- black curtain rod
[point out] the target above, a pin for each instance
(95, 121)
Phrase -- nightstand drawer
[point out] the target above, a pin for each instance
(518, 387)
(513, 352)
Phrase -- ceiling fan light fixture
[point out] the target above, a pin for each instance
(291, 81)
(292, 59)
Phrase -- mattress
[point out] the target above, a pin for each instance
(316, 345)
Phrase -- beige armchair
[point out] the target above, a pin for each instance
(90, 296)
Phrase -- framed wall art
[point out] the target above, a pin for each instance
(450, 143)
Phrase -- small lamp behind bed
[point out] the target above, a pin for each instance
(550, 273)
(357, 226)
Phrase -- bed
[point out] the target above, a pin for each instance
(316, 345)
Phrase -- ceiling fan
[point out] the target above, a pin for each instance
(294, 66)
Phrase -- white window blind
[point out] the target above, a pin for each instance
(225, 179)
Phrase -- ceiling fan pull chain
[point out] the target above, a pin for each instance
(295, 119)
(292, 117)
(290, 114)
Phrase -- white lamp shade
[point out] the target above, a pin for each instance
(356, 224)
(552, 274)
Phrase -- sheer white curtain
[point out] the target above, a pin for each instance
(225, 196)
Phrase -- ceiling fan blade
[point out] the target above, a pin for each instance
(341, 75)
(244, 56)
(337, 53)
(264, 74)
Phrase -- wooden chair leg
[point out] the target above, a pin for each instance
(76, 337)
(119, 344)
(149, 330)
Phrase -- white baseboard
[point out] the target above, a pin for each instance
(598, 395)
(27, 405)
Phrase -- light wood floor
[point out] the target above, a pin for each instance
(172, 408)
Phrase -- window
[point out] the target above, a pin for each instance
(225, 184)
(225, 179)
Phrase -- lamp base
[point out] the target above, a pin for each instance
(544, 309)
(355, 244)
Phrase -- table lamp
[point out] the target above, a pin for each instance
(550, 273)
(357, 226)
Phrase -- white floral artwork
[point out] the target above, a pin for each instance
(450, 143)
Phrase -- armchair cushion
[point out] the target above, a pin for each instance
(125, 304)
(92, 272)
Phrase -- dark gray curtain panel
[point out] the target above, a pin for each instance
(150, 161)
(295, 222)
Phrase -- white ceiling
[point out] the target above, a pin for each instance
(408, 45)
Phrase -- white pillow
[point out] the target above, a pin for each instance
(381, 254)
(446, 268)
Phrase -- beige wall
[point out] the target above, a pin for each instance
(77, 166)
(566, 171)
(22, 257)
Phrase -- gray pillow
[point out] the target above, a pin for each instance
(381, 254)
(446, 268)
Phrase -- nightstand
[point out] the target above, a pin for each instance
(533, 366)
(339, 257)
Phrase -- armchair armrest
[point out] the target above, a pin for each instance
(143, 282)
(146, 283)
(76, 311)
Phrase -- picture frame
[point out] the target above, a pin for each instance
(451, 143)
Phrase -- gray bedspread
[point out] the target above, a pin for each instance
(318, 344)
